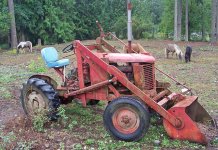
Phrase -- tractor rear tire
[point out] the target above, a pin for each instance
(126, 118)
(37, 96)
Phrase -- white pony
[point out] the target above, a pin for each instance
(26, 44)
(173, 48)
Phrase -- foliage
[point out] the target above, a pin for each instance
(24, 145)
(39, 121)
(6, 94)
(6, 139)
(167, 21)
(66, 20)
(49, 20)
(37, 66)
(72, 124)
(4, 18)
(62, 114)
(62, 147)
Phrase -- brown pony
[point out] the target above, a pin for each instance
(136, 48)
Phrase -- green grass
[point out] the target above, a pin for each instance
(37, 66)
(6, 139)
(5, 93)
(7, 78)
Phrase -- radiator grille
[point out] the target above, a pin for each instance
(148, 76)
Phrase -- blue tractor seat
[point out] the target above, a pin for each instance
(50, 56)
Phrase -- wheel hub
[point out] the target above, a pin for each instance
(35, 102)
(126, 120)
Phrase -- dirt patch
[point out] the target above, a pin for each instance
(209, 131)
(10, 109)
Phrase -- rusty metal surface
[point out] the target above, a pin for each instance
(144, 76)
(189, 118)
(126, 120)
(161, 94)
(89, 88)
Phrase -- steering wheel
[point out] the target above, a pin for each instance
(68, 48)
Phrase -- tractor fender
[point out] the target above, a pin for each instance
(46, 78)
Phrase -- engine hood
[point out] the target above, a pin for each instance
(122, 57)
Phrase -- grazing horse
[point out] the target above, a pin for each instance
(26, 44)
(173, 48)
(188, 53)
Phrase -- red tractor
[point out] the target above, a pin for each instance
(126, 81)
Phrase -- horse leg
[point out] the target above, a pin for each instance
(173, 53)
(29, 49)
(166, 53)
(17, 50)
(31, 46)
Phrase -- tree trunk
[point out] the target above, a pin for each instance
(186, 20)
(178, 20)
(179, 32)
(13, 24)
(39, 42)
(214, 21)
(203, 24)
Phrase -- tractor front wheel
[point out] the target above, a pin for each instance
(126, 118)
(37, 96)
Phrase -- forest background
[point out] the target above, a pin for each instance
(65, 20)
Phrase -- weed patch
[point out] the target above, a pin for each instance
(5, 93)
(37, 66)
(6, 139)
(39, 121)
(25, 145)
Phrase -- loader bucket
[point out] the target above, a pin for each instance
(195, 122)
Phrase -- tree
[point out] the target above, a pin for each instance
(13, 24)
(4, 18)
(186, 21)
(214, 28)
(178, 20)
(51, 21)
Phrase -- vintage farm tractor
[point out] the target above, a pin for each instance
(126, 81)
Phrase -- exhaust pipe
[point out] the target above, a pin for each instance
(129, 25)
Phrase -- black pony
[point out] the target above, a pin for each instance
(188, 53)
